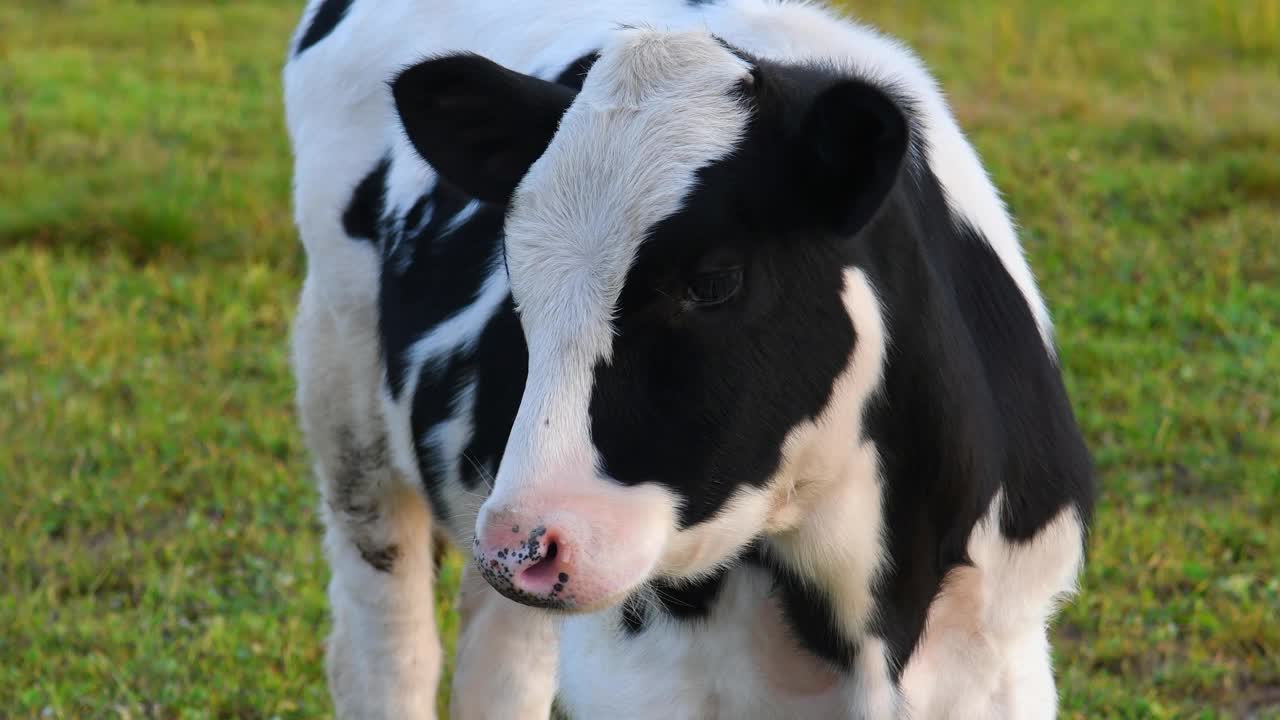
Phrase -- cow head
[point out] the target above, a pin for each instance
(678, 240)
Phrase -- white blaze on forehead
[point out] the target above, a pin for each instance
(655, 108)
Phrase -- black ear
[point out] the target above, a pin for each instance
(851, 145)
(477, 123)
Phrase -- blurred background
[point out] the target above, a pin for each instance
(159, 547)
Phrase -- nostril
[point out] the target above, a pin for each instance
(546, 570)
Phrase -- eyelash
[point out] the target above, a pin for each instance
(715, 287)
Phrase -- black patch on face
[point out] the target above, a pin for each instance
(323, 22)
(576, 73)
(365, 209)
(700, 399)
(433, 273)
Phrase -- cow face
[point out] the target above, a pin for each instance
(678, 242)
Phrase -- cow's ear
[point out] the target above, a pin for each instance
(850, 146)
(477, 123)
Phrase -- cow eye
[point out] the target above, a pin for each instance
(715, 287)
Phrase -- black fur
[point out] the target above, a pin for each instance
(972, 403)
(365, 208)
(634, 615)
(701, 399)
(501, 365)
(434, 401)
(808, 612)
(497, 368)
(478, 123)
(431, 274)
(575, 74)
(688, 601)
(326, 18)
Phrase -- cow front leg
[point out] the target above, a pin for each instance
(507, 655)
(384, 654)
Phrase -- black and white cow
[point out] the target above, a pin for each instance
(710, 340)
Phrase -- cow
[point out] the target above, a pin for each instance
(701, 331)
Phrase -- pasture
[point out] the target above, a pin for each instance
(159, 544)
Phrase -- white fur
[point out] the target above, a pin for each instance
(506, 655)
(984, 652)
(739, 663)
(384, 656)
(714, 669)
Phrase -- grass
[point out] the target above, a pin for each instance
(159, 551)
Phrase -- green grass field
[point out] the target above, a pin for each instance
(159, 547)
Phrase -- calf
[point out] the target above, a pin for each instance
(700, 328)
